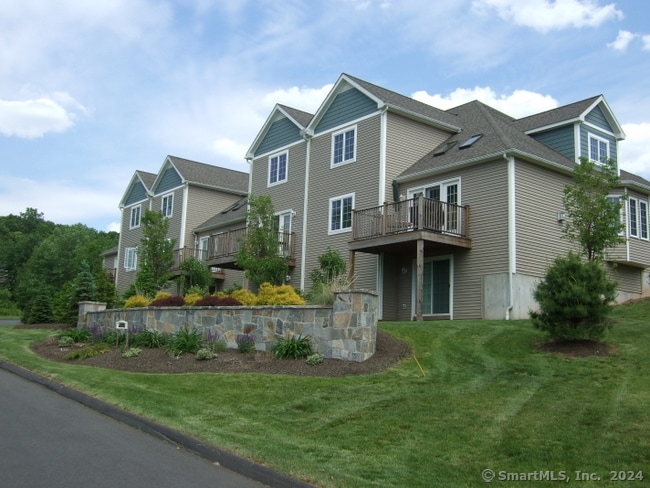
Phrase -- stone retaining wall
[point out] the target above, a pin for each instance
(347, 330)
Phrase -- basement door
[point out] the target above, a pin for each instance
(436, 299)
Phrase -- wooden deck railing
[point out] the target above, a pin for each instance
(418, 213)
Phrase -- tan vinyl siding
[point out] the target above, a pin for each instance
(629, 279)
(639, 248)
(539, 234)
(361, 178)
(287, 196)
(175, 220)
(406, 142)
(203, 204)
(484, 188)
(128, 238)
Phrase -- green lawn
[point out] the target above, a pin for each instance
(488, 400)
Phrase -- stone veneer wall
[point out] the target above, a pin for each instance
(347, 330)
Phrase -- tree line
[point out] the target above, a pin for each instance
(47, 268)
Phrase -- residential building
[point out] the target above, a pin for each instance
(445, 213)
(188, 193)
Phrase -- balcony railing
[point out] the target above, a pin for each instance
(418, 213)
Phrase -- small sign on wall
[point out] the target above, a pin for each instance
(122, 325)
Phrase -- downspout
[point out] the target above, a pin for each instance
(181, 244)
(305, 207)
(512, 236)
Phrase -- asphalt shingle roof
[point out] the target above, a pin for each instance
(212, 176)
(234, 213)
(556, 115)
(303, 118)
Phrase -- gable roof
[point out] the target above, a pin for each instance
(389, 100)
(297, 117)
(142, 177)
(569, 114)
(634, 181)
(205, 175)
(500, 136)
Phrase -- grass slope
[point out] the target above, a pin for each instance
(488, 399)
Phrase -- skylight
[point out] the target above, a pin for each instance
(444, 148)
(470, 141)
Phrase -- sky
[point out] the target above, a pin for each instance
(90, 92)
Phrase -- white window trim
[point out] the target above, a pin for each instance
(632, 203)
(131, 251)
(647, 228)
(286, 172)
(344, 161)
(590, 136)
(162, 205)
(139, 214)
(342, 230)
(442, 184)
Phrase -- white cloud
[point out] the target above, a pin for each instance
(36, 117)
(646, 42)
(633, 152)
(622, 41)
(63, 202)
(519, 103)
(307, 99)
(544, 15)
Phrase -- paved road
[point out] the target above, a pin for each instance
(49, 440)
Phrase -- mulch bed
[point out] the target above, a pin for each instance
(578, 349)
(389, 351)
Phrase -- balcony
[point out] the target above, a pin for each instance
(183, 254)
(223, 247)
(398, 226)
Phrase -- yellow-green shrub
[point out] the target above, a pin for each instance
(245, 297)
(192, 298)
(136, 301)
(278, 295)
(162, 294)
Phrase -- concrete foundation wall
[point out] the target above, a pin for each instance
(347, 330)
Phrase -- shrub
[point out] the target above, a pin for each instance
(77, 335)
(186, 341)
(245, 343)
(205, 354)
(162, 294)
(215, 301)
(190, 299)
(245, 297)
(114, 337)
(131, 352)
(136, 301)
(278, 295)
(170, 301)
(315, 359)
(574, 298)
(65, 341)
(295, 347)
(88, 352)
(150, 339)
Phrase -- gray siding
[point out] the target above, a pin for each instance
(286, 196)
(202, 204)
(597, 118)
(484, 189)
(169, 180)
(138, 193)
(539, 234)
(406, 142)
(361, 178)
(562, 140)
(175, 220)
(346, 106)
(280, 134)
(629, 278)
(584, 142)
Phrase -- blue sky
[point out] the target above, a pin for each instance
(92, 91)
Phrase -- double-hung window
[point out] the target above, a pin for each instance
(278, 168)
(638, 218)
(633, 217)
(135, 217)
(130, 258)
(598, 149)
(340, 214)
(344, 146)
(167, 206)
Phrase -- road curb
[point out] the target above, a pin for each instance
(211, 453)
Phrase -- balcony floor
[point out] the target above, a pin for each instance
(407, 242)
